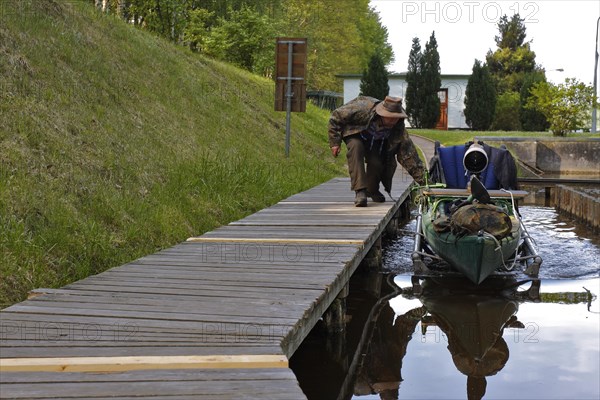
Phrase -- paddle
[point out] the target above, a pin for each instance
(478, 191)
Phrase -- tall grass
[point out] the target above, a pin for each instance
(115, 143)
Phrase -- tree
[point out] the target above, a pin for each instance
(506, 115)
(342, 36)
(512, 33)
(166, 17)
(374, 81)
(431, 81)
(567, 106)
(531, 119)
(198, 29)
(375, 37)
(413, 81)
(480, 98)
(246, 40)
(513, 58)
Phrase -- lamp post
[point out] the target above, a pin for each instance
(555, 70)
(594, 105)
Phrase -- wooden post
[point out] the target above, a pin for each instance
(374, 257)
(335, 324)
(335, 316)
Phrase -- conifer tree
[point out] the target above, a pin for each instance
(431, 82)
(374, 81)
(412, 96)
(480, 98)
(532, 119)
(513, 58)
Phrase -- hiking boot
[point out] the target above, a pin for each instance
(361, 198)
(377, 197)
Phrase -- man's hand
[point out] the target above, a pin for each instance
(335, 150)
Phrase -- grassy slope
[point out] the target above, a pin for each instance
(115, 143)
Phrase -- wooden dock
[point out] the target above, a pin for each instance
(217, 316)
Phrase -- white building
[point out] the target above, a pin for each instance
(453, 90)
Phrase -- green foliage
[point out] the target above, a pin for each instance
(115, 143)
(413, 81)
(480, 98)
(567, 106)
(423, 80)
(374, 80)
(166, 17)
(374, 37)
(197, 30)
(245, 40)
(431, 81)
(342, 35)
(512, 32)
(514, 58)
(506, 117)
(531, 119)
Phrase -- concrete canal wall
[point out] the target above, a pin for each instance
(564, 156)
(583, 204)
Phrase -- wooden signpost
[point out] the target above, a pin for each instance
(290, 75)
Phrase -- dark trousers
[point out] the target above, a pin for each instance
(364, 176)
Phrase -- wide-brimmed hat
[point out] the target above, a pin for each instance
(391, 107)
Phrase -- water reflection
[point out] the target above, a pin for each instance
(417, 342)
(505, 339)
(471, 321)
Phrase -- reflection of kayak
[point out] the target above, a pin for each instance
(474, 321)
(466, 220)
(474, 255)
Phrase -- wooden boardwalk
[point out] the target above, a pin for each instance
(217, 316)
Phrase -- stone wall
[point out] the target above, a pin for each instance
(578, 203)
(564, 156)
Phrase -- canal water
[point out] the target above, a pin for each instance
(506, 339)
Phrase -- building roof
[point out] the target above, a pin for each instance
(403, 75)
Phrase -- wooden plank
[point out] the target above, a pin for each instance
(159, 277)
(164, 301)
(192, 288)
(40, 323)
(126, 349)
(174, 317)
(214, 384)
(251, 290)
(272, 240)
(239, 308)
(114, 364)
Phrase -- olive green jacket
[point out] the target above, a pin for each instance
(355, 116)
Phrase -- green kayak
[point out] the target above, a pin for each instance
(468, 217)
(474, 255)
